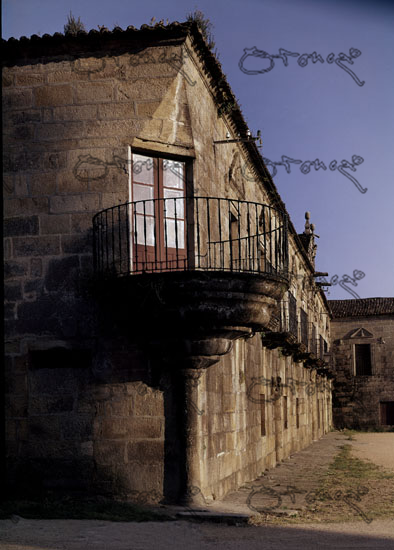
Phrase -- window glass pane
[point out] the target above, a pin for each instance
(143, 169)
(172, 236)
(145, 227)
(174, 202)
(173, 173)
(143, 192)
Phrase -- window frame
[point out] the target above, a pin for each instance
(371, 357)
(158, 256)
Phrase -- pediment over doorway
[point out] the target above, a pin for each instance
(359, 333)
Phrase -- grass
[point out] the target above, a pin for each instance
(348, 468)
(350, 434)
(352, 476)
(350, 490)
(55, 507)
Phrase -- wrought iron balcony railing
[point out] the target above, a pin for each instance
(186, 234)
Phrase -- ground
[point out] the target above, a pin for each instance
(332, 495)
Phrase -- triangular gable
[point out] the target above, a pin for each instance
(359, 333)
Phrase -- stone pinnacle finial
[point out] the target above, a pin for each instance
(307, 229)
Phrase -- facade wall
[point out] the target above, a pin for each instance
(103, 407)
(232, 447)
(357, 399)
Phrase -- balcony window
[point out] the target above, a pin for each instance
(158, 218)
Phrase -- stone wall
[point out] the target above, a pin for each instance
(356, 399)
(85, 407)
(232, 445)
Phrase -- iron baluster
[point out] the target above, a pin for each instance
(176, 235)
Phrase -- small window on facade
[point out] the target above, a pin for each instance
(321, 347)
(387, 413)
(314, 340)
(285, 412)
(362, 353)
(297, 412)
(262, 402)
(304, 328)
(293, 324)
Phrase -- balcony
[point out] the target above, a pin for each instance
(284, 333)
(200, 272)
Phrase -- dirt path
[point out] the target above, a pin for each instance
(376, 447)
(301, 471)
(104, 535)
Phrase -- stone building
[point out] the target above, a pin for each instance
(165, 333)
(362, 333)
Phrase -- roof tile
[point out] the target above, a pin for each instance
(364, 307)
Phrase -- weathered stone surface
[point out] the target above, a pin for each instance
(53, 95)
(12, 291)
(22, 132)
(81, 112)
(145, 451)
(80, 243)
(56, 131)
(113, 111)
(147, 108)
(36, 267)
(14, 269)
(14, 207)
(36, 246)
(17, 99)
(54, 224)
(7, 249)
(93, 92)
(110, 452)
(29, 79)
(44, 427)
(142, 428)
(74, 203)
(80, 223)
(42, 184)
(22, 117)
(51, 404)
(27, 225)
(76, 427)
(61, 274)
(148, 404)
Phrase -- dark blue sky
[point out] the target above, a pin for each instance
(316, 111)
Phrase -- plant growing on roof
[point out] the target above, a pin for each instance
(205, 27)
(73, 25)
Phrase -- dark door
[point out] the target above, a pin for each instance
(158, 223)
(387, 413)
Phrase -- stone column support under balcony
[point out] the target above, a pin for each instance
(190, 492)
